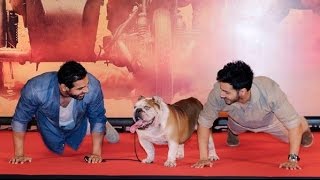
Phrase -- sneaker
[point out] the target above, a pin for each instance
(232, 139)
(307, 139)
(112, 135)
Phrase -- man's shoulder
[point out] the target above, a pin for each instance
(266, 85)
(93, 80)
(44, 76)
(43, 80)
(264, 81)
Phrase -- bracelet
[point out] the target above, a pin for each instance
(293, 157)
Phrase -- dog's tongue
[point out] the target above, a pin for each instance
(135, 126)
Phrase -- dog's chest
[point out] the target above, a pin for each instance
(154, 135)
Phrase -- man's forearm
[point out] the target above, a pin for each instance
(97, 139)
(18, 140)
(295, 140)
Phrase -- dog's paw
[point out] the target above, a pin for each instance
(170, 163)
(180, 155)
(147, 161)
(213, 157)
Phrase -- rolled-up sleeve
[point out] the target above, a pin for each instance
(25, 109)
(282, 108)
(96, 110)
(211, 108)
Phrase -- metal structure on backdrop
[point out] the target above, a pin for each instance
(144, 36)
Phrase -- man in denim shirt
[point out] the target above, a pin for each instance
(63, 103)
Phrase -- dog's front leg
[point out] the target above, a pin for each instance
(149, 148)
(173, 149)
(180, 152)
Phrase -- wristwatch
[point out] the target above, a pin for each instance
(293, 157)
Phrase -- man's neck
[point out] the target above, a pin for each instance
(64, 100)
(245, 98)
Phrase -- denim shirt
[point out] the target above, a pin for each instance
(40, 98)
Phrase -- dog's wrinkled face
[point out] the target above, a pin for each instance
(145, 112)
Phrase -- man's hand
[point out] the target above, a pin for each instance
(290, 165)
(202, 164)
(93, 158)
(20, 160)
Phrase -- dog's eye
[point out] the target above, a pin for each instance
(146, 107)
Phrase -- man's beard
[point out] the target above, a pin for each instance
(77, 97)
(231, 101)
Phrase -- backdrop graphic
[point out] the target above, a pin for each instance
(171, 55)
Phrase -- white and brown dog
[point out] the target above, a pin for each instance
(159, 123)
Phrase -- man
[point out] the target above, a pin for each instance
(253, 104)
(63, 103)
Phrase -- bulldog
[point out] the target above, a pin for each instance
(167, 124)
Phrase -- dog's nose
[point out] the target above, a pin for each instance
(138, 110)
(137, 113)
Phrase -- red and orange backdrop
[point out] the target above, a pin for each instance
(172, 56)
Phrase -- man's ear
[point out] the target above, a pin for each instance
(243, 91)
(63, 87)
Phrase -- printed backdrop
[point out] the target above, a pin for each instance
(281, 41)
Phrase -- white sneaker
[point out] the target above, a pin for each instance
(112, 135)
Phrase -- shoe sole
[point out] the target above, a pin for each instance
(233, 145)
(308, 145)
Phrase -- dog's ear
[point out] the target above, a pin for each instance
(157, 99)
(141, 97)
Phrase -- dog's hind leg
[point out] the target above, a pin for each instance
(173, 149)
(212, 150)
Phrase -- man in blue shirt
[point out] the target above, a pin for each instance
(63, 103)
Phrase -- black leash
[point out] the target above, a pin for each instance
(86, 158)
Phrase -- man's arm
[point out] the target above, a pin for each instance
(206, 118)
(18, 141)
(25, 109)
(97, 119)
(97, 140)
(289, 117)
(203, 140)
(295, 137)
(294, 146)
(203, 137)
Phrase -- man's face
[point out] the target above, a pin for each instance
(228, 94)
(80, 89)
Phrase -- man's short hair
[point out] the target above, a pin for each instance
(70, 72)
(236, 73)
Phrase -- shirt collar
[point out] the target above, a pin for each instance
(255, 94)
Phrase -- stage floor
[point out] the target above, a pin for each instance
(258, 156)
